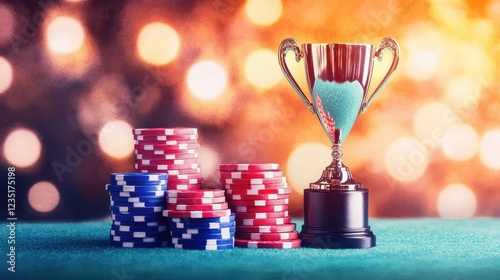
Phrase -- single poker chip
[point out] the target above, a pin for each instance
(153, 138)
(223, 219)
(256, 209)
(138, 194)
(155, 217)
(140, 224)
(172, 172)
(185, 181)
(172, 178)
(139, 244)
(134, 176)
(202, 236)
(196, 214)
(166, 142)
(122, 228)
(214, 225)
(129, 188)
(262, 202)
(184, 187)
(202, 247)
(138, 234)
(222, 231)
(263, 222)
(267, 229)
(160, 203)
(165, 131)
(203, 200)
(198, 207)
(167, 161)
(281, 244)
(268, 236)
(148, 153)
(138, 199)
(163, 147)
(138, 182)
(165, 167)
(237, 191)
(256, 196)
(143, 240)
(249, 167)
(133, 210)
(150, 156)
(196, 193)
(251, 174)
(254, 186)
(255, 181)
(203, 241)
(261, 215)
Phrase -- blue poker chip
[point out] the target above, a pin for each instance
(201, 236)
(123, 228)
(138, 194)
(202, 225)
(154, 217)
(138, 199)
(138, 182)
(133, 210)
(202, 247)
(133, 239)
(225, 219)
(138, 204)
(135, 188)
(139, 244)
(138, 176)
(203, 231)
(140, 224)
(203, 241)
(139, 234)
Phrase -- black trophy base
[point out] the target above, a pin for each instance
(336, 219)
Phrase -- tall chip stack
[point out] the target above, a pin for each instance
(258, 196)
(137, 201)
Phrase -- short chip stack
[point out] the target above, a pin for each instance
(258, 195)
(137, 202)
(173, 151)
(200, 219)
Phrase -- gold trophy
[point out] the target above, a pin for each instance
(338, 77)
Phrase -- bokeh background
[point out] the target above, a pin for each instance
(77, 76)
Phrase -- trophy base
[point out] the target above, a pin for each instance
(336, 219)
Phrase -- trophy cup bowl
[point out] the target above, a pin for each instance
(338, 77)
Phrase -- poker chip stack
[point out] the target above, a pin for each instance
(258, 196)
(173, 151)
(137, 202)
(200, 219)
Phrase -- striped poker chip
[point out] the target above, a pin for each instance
(223, 219)
(138, 199)
(209, 225)
(132, 176)
(255, 181)
(143, 224)
(137, 194)
(167, 142)
(203, 236)
(163, 156)
(134, 210)
(138, 204)
(198, 207)
(137, 218)
(123, 228)
(241, 191)
(209, 247)
(165, 167)
(173, 177)
(196, 214)
(254, 186)
(261, 215)
(172, 172)
(167, 161)
(166, 131)
(267, 236)
(200, 193)
(263, 222)
(256, 196)
(262, 202)
(203, 200)
(150, 153)
(281, 244)
(249, 167)
(203, 241)
(185, 181)
(251, 174)
(138, 234)
(140, 188)
(182, 187)
(159, 138)
(139, 182)
(256, 209)
(167, 148)
(227, 230)
(266, 229)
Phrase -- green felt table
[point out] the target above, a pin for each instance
(406, 249)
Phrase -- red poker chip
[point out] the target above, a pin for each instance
(165, 131)
(266, 229)
(281, 244)
(198, 207)
(249, 167)
(160, 138)
(267, 236)
(241, 191)
(261, 215)
(150, 156)
(167, 142)
(258, 209)
(251, 174)
(181, 187)
(263, 222)
(171, 172)
(167, 161)
(185, 181)
(203, 200)
(168, 167)
(261, 202)
(201, 193)
(166, 148)
(255, 181)
(173, 177)
(254, 187)
(166, 152)
(196, 214)
(256, 196)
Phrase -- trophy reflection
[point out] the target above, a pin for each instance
(338, 77)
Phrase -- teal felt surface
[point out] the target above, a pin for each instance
(406, 249)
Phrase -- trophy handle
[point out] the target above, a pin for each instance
(292, 45)
(391, 44)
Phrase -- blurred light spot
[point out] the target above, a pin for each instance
(43, 197)
(65, 35)
(264, 12)
(306, 164)
(493, 10)
(209, 161)
(261, 69)
(158, 43)
(22, 148)
(7, 22)
(431, 121)
(456, 201)
(463, 92)
(206, 80)
(116, 140)
(422, 64)
(406, 159)
(6, 75)
(460, 142)
(489, 149)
